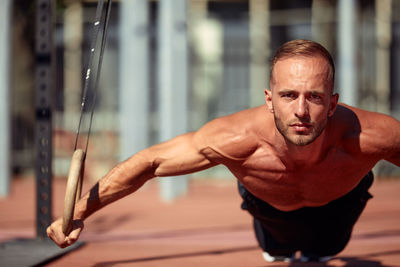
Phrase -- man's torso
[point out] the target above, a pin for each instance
(287, 186)
(266, 177)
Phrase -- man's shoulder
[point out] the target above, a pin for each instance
(359, 120)
(368, 131)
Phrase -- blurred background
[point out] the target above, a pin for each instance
(172, 65)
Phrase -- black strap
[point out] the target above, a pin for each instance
(97, 25)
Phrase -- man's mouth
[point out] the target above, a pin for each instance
(300, 127)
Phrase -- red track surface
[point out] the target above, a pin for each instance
(204, 228)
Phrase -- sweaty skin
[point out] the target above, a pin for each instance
(300, 149)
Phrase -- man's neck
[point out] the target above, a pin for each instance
(300, 156)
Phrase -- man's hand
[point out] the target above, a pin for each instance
(55, 233)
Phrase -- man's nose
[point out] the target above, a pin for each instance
(302, 108)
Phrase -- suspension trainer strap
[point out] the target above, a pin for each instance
(102, 47)
(98, 24)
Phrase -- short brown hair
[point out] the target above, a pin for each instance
(303, 48)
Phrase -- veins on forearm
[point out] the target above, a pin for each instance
(123, 179)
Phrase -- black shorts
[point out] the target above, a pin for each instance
(324, 230)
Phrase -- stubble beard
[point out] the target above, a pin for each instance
(300, 139)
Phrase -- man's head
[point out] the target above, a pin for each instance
(304, 48)
(301, 99)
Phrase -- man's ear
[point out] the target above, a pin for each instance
(268, 99)
(333, 104)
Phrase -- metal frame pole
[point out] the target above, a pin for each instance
(172, 82)
(44, 81)
(347, 43)
(5, 37)
(260, 41)
(383, 31)
(134, 77)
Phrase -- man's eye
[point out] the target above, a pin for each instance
(315, 96)
(288, 95)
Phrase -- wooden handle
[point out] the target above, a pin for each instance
(73, 186)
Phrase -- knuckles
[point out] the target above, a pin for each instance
(54, 232)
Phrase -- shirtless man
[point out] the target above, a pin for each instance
(303, 161)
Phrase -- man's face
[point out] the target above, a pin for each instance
(301, 98)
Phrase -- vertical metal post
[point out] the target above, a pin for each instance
(72, 71)
(259, 50)
(5, 40)
(206, 69)
(73, 35)
(44, 76)
(172, 82)
(383, 41)
(322, 21)
(347, 43)
(134, 77)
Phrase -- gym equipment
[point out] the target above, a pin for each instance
(36, 252)
(75, 176)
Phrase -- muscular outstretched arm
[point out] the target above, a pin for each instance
(217, 142)
(180, 155)
(177, 156)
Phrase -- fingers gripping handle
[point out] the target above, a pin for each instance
(73, 191)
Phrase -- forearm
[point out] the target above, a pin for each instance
(124, 179)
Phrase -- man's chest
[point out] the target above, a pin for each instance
(288, 187)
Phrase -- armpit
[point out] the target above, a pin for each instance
(222, 140)
(216, 156)
(229, 151)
